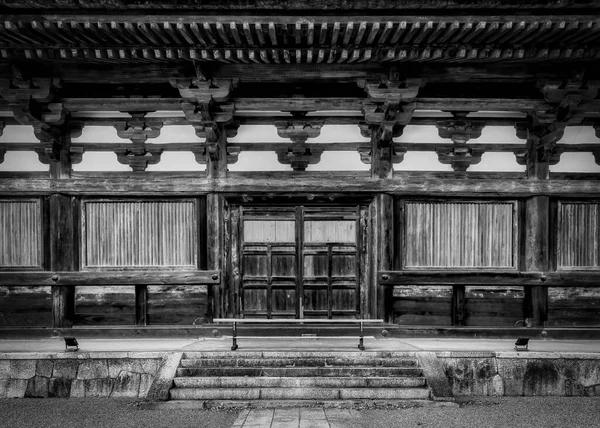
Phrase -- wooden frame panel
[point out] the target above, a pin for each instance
(174, 216)
(31, 226)
(569, 230)
(513, 235)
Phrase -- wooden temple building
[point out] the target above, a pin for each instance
(432, 163)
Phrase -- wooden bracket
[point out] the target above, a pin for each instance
(2, 153)
(393, 91)
(298, 130)
(569, 97)
(210, 151)
(542, 132)
(596, 154)
(459, 157)
(366, 153)
(138, 129)
(460, 129)
(299, 156)
(138, 158)
(196, 90)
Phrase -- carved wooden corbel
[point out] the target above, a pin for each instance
(569, 97)
(299, 155)
(460, 130)
(138, 130)
(366, 154)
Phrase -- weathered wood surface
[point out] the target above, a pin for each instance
(460, 235)
(448, 277)
(121, 278)
(177, 305)
(21, 237)
(294, 183)
(104, 305)
(423, 305)
(494, 306)
(578, 245)
(139, 234)
(573, 307)
(25, 306)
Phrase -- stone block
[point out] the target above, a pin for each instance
(116, 367)
(98, 387)
(13, 388)
(126, 385)
(59, 388)
(37, 387)
(78, 388)
(65, 369)
(44, 368)
(22, 369)
(93, 369)
(146, 381)
(5, 369)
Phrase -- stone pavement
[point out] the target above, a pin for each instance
(297, 344)
(296, 418)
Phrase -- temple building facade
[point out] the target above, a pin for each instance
(434, 164)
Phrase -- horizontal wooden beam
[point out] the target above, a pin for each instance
(573, 279)
(120, 278)
(450, 277)
(330, 146)
(486, 278)
(294, 182)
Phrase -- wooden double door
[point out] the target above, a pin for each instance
(298, 261)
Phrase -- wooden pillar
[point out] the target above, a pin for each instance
(141, 305)
(215, 208)
(458, 305)
(536, 256)
(382, 168)
(541, 138)
(64, 249)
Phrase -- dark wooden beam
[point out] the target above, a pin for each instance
(409, 184)
(117, 278)
(449, 277)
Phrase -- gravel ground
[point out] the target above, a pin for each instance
(103, 412)
(511, 412)
(505, 412)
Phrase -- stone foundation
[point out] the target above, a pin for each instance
(65, 375)
(522, 373)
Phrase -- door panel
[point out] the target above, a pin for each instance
(299, 262)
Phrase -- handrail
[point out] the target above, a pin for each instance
(235, 321)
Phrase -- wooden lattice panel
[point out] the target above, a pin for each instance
(578, 236)
(140, 234)
(20, 234)
(460, 235)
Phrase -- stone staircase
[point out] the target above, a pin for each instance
(299, 376)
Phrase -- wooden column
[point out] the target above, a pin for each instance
(64, 224)
(141, 305)
(382, 168)
(541, 139)
(458, 305)
(215, 207)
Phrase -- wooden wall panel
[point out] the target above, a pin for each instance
(494, 305)
(268, 231)
(460, 235)
(20, 234)
(578, 236)
(25, 306)
(324, 231)
(573, 307)
(140, 234)
(179, 305)
(104, 305)
(423, 305)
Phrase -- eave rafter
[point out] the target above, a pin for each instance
(311, 39)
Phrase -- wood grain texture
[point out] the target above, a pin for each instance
(578, 236)
(429, 305)
(140, 233)
(20, 233)
(459, 235)
(573, 307)
(97, 278)
(25, 306)
(449, 277)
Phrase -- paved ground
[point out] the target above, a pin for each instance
(372, 344)
(500, 412)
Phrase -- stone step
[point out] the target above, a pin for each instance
(299, 393)
(296, 354)
(299, 382)
(354, 371)
(298, 362)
